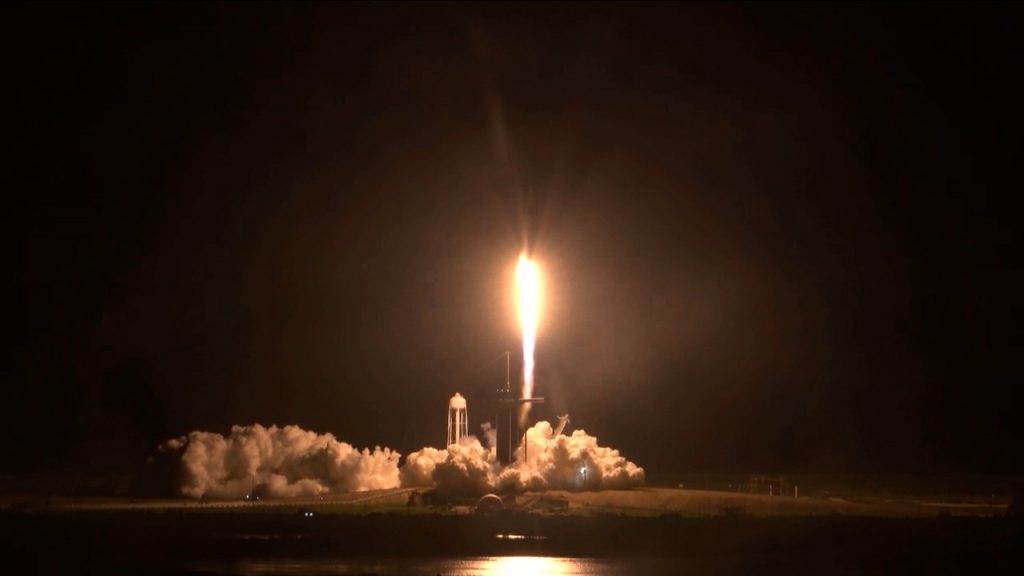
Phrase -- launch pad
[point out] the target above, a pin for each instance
(506, 404)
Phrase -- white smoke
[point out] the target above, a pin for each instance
(278, 462)
(469, 468)
(290, 461)
(575, 462)
(418, 470)
(464, 468)
(490, 435)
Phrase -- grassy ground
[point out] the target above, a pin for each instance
(707, 503)
(643, 502)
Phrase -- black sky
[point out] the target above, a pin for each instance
(776, 237)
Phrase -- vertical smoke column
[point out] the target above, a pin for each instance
(528, 307)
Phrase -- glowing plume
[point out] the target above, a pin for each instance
(528, 307)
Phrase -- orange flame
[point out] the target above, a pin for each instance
(528, 305)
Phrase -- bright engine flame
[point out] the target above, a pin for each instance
(528, 308)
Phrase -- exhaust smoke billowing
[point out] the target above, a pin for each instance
(278, 462)
(555, 461)
(289, 461)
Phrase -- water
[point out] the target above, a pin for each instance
(472, 566)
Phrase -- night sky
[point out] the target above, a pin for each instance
(780, 237)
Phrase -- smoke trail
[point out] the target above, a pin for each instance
(278, 462)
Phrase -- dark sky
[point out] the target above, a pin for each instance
(775, 237)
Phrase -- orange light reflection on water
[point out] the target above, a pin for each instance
(528, 565)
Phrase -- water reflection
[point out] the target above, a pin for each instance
(519, 537)
(539, 565)
(472, 566)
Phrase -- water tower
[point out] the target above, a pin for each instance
(458, 419)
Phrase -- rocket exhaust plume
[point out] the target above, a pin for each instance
(528, 301)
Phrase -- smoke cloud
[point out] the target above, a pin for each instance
(418, 470)
(290, 461)
(575, 462)
(278, 462)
